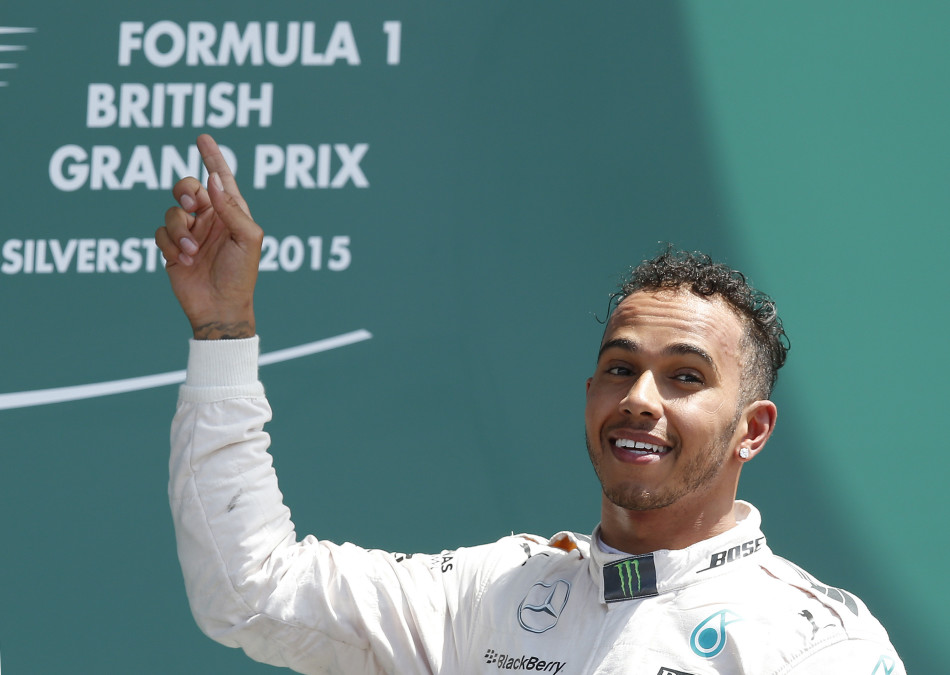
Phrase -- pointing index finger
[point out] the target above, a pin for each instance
(216, 163)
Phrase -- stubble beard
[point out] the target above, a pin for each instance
(696, 474)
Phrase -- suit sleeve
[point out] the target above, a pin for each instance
(310, 605)
(859, 656)
(858, 643)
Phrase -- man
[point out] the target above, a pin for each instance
(677, 578)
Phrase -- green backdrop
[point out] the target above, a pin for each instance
(465, 182)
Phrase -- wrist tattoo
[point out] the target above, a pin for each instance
(218, 330)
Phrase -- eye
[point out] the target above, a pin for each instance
(622, 371)
(688, 378)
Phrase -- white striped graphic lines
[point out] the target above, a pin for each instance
(26, 399)
(6, 49)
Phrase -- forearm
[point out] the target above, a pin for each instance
(223, 490)
(309, 605)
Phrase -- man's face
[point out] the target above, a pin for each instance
(663, 403)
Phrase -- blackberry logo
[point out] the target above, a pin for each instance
(523, 662)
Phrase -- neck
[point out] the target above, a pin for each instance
(672, 527)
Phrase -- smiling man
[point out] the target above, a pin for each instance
(679, 401)
(676, 580)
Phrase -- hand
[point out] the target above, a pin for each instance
(212, 249)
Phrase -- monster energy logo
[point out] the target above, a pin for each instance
(633, 577)
(626, 569)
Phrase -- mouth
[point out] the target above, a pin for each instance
(629, 450)
(640, 447)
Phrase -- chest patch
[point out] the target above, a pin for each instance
(630, 578)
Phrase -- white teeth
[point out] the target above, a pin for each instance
(638, 445)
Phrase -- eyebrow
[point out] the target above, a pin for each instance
(677, 348)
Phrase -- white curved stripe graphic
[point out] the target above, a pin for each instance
(25, 399)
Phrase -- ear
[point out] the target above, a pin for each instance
(588, 383)
(758, 422)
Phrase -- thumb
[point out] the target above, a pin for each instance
(242, 227)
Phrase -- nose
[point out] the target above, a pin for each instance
(643, 398)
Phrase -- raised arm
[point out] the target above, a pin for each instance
(212, 249)
(308, 604)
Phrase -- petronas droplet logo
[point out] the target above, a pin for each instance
(627, 570)
(709, 637)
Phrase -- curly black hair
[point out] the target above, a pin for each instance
(765, 335)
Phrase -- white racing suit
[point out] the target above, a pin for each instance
(562, 606)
